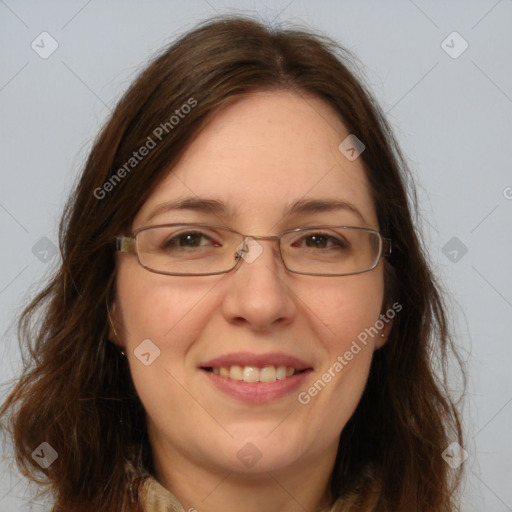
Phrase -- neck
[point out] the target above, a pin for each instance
(203, 488)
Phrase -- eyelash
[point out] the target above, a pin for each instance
(171, 241)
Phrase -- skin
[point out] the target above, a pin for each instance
(258, 155)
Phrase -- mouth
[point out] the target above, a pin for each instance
(253, 373)
(256, 378)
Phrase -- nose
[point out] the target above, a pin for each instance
(257, 292)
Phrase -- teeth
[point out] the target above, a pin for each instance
(268, 374)
(236, 373)
(251, 374)
(281, 372)
(255, 374)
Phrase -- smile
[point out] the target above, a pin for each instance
(256, 378)
(255, 374)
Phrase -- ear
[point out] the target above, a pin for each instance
(114, 326)
(387, 320)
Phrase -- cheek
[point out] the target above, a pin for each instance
(348, 310)
(346, 315)
(161, 317)
(160, 308)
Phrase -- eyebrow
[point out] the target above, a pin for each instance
(217, 207)
(212, 206)
(322, 205)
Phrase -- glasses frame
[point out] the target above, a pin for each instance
(128, 244)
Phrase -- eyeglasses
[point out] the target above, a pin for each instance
(205, 249)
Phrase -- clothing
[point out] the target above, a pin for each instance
(156, 498)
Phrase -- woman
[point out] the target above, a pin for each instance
(244, 318)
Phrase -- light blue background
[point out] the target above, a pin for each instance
(452, 117)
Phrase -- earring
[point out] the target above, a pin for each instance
(382, 335)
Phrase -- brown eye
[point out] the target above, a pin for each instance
(321, 241)
(185, 240)
(189, 239)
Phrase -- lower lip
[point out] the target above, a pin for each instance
(257, 392)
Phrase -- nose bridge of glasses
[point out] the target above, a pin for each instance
(257, 237)
(249, 249)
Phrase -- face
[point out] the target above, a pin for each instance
(258, 157)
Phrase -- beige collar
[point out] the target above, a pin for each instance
(156, 498)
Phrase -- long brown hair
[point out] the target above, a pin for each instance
(76, 391)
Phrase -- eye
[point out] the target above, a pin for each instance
(321, 241)
(189, 239)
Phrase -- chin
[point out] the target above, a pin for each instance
(255, 454)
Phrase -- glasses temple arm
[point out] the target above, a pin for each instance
(125, 244)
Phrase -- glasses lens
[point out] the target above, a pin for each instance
(331, 251)
(187, 249)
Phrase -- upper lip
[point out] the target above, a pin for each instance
(258, 360)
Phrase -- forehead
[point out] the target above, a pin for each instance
(263, 152)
